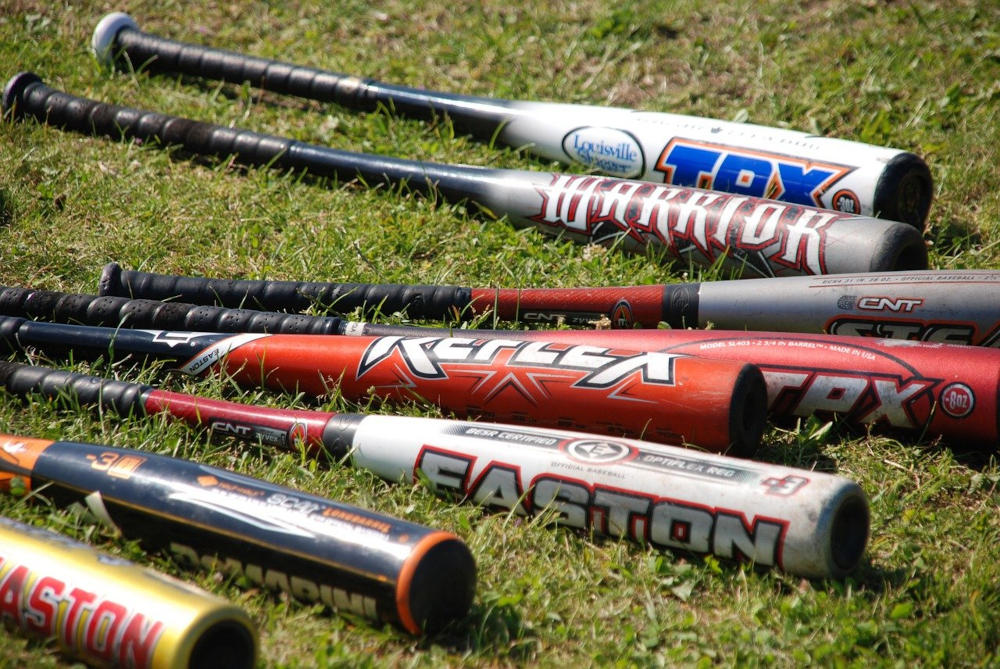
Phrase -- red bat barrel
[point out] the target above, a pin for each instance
(662, 397)
(937, 389)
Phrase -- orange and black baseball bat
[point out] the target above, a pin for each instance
(310, 547)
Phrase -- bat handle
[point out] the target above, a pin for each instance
(120, 396)
(417, 301)
(110, 311)
(26, 95)
(118, 40)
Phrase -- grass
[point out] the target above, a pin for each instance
(916, 75)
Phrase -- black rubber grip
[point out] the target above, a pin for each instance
(417, 301)
(9, 328)
(27, 96)
(109, 311)
(160, 55)
(120, 396)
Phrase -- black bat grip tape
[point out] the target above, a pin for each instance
(120, 396)
(110, 311)
(26, 95)
(417, 301)
(161, 55)
(29, 96)
(117, 38)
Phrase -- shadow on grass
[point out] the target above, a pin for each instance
(493, 627)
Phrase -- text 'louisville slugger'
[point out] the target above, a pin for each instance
(750, 236)
(804, 522)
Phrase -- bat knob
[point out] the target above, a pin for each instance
(110, 277)
(13, 92)
(105, 34)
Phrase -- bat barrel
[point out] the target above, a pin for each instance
(417, 301)
(133, 616)
(805, 522)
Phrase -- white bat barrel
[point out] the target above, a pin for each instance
(804, 522)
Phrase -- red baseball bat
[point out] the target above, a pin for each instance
(918, 387)
(804, 522)
(747, 235)
(717, 405)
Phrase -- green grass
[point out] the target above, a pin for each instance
(922, 76)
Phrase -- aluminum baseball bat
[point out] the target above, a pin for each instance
(753, 160)
(804, 522)
(947, 306)
(676, 399)
(312, 548)
(110, 612)
(921, 388)
(746, 235)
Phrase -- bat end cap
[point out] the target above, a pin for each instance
(849, 532)
(228, 643)
(438, 585)
(110, 279)
(105, 34)
(905, 190)
(13, 92)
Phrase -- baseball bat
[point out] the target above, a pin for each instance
(678, 399)
(947, 306)
(806, 523)
(313, 549)
(753, 160)
(922, 388)
(740, 233)
(108, 611)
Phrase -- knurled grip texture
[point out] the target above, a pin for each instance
(417, 301)
(110, 311)
(117, 39)
(155, 54)
(26, 95)
(120, 396)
